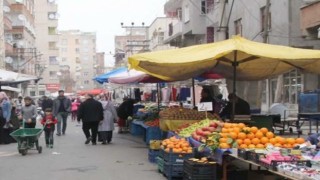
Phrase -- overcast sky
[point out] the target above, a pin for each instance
(104, 17)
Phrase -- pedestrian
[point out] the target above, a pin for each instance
(49, 122)
(28, 113)
(19, 103)
(74, 108)
(124, 111)
(91, 113)
(61, 109)
(46, 103)
(110, 116)
(5, 115)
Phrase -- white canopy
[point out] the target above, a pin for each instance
(10, 77)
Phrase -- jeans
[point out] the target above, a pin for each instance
(62, 118)
(48, 134)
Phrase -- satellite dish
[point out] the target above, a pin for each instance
(59, 73)
(51, 1)
(6, 9)
(21, 17)
(19, 1)
(8, 60)
(52, 16)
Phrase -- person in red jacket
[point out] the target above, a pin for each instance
(49, 122)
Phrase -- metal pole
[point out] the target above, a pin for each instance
(234, 64)
(158, 95)
(19, 70)
(193, 93)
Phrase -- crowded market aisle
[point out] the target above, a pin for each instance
(70, 158)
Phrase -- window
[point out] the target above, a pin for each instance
(263, 17)
(210, 34)
(186, 14)
(78, 60)
(53, 74)
(52, 30)
(52, 45)
(77, 41)
(77, 50)
(203, 7)
(32, 93)
(179, 11)
(292, 83)
(86, 73)
(53, 15)
(160, 37)
(210, 5)
(85, 49)
(53, 60)
(238, 27)
(64, 59)
(85, 58)
(64, 50)
(86, 82)
(42, 93)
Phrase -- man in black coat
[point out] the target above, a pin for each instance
(91, 113)
(46, 103)
(242, 107)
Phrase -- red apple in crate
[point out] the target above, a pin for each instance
(197, 138)
(213, 124)
(199, 132)
(205, 129)
(211, 129)
(206, 133)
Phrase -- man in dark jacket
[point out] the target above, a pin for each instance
(91, 114)
(242, 107)
(124, 111)
(61, 109)
(47, 103)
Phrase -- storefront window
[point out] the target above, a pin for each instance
(292, 86)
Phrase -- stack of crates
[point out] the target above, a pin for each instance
(199, 171)
(171, 164)
(154, 150)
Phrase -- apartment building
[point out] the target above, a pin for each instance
(47, 64)
(134, 41)
(78, 60)
(210, 21)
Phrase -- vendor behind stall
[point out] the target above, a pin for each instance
(206, 97)
(242, 107)
(124, 111)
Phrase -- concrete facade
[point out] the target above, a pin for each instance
(46, 23)
(78, 59)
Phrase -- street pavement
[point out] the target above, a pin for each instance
(70, 159)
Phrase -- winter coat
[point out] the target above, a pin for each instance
(109, 116)
(47, 103)
(56, 105)
(126, 109)
(29, 112)
(6, 112)
(90, 111)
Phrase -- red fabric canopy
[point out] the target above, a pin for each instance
(92, 91)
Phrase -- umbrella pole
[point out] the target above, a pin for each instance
(193, 93)
(158, 95)
(234, 64)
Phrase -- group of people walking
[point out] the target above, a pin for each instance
(97, 116)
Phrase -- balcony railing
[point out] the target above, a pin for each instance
(174, 32)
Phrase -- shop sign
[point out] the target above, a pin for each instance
(52, 87)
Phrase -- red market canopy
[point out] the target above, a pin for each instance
(92, 91)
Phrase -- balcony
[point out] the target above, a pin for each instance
(52, 7)
(310, 18)
(174, 33)
(21, 9)
(7, 23)
(9, 48)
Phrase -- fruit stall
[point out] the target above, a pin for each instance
(205, 149)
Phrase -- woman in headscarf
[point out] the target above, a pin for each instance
(5, 114)
(106, 126)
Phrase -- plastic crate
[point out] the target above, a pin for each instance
(254, 157)
(242, 153)
(136, 129)
(195, 168)
(153, 133)
(160, 163)
(173, 170)
(176, 157)
(161, 153)
(152, 155)
(275, 163)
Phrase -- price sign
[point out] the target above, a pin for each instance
(205, 106)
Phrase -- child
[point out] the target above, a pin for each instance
(49, 122)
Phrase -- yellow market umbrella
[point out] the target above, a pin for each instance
(253, 60)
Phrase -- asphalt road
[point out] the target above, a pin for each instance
(70, 159)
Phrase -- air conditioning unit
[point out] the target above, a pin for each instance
(52, 16)
(17, 36)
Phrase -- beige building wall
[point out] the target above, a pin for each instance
(47, 64)
(78, 53)
(2, 49)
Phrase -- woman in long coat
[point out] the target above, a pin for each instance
(106, 127)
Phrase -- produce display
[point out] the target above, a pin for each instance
(299, 172)
(176, 145)
(153, 123)
(178, 113)
(203, 127)
(202, 160)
